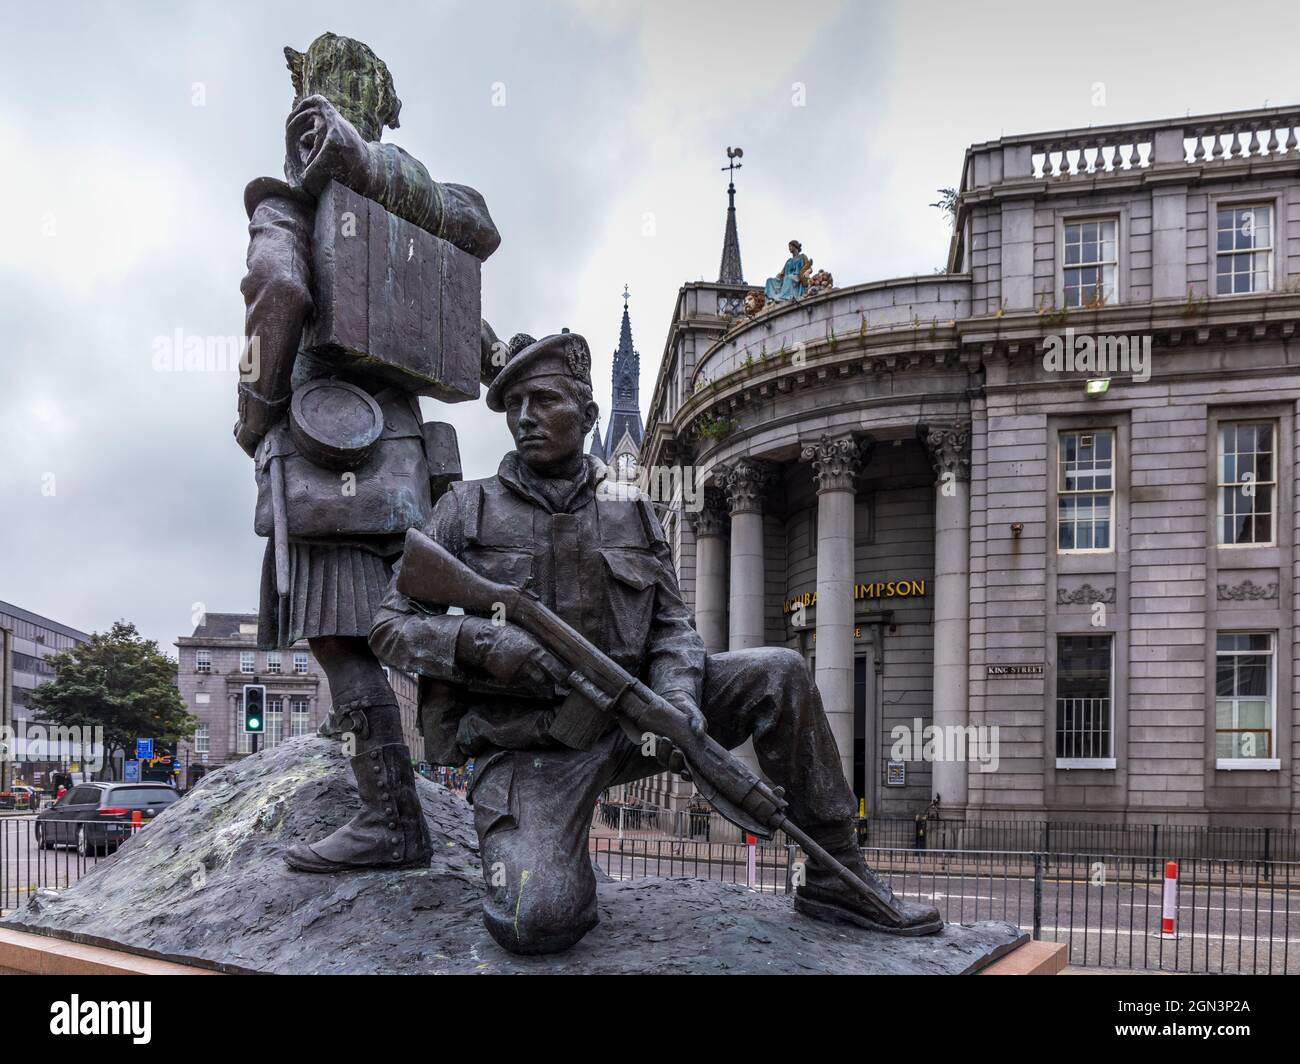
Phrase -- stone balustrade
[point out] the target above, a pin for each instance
(1108, 151)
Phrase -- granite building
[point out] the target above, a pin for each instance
(1030, 520)
(221, 656)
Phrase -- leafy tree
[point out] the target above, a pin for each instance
(120, 682)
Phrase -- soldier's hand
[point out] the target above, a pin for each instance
(694, 718)
(325, 145)
(508, 654)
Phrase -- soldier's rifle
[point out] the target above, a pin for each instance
(430, 573)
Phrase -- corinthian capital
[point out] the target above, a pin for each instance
(711, 518)
(948, 447)
(745, 481)
(837, 461)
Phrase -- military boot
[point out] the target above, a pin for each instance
(826, 897)
(389, 832)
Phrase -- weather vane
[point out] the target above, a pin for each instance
(626, 297)
(733, 154)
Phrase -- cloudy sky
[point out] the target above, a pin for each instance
(128, 130)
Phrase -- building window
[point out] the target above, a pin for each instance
(201, 741)
(1243, 704)
(274, 722)
(299, 718)
(1091, 262)
(1085, 491)
(244, 745)
(203, 661)
(1084, 731)
(247, 662)
(1244, 252)
(300, 663)
(273, 662)
(1247, 483)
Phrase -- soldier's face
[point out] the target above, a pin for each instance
(548, 424)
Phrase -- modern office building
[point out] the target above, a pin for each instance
(28, 640)
(1043, 502)
(221, 656)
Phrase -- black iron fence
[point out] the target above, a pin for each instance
(1156, 841)
(1231, 916)
(50, 853)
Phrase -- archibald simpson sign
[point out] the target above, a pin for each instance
(878, 590)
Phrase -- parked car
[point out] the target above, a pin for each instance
(96, 817)
(20, 796)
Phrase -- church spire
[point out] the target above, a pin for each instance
(625, 350)
(730, 271)
(625, 410)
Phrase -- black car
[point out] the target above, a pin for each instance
(99, 816)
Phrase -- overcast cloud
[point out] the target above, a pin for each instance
(122, 492)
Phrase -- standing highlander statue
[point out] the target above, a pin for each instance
(579, 626)
(362, 294)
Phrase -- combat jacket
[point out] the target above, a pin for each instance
(599, 560)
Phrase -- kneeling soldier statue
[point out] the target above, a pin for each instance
(573, 626)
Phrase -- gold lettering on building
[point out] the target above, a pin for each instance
(876, 590)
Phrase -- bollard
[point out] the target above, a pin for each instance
(751, 870)
(137, 822)
(1168, 923)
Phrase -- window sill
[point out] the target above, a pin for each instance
(1248, 764)
(1085, 762)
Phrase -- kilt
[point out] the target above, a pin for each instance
(334, 589)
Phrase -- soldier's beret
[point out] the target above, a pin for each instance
(564, 354)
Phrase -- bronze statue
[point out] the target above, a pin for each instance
(345, 331)
(591, 631)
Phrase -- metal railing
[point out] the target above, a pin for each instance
(36, 854)
(1233, 915)
(1083, 728)
(1155, 841)
(1106, 909)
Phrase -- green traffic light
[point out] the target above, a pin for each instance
(254, 724)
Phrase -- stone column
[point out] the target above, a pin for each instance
(744, 482)
(949, 451)
(710, 525)
(835, 463)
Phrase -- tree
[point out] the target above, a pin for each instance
(117, 681)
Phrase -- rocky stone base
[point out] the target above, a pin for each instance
(204, 884)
